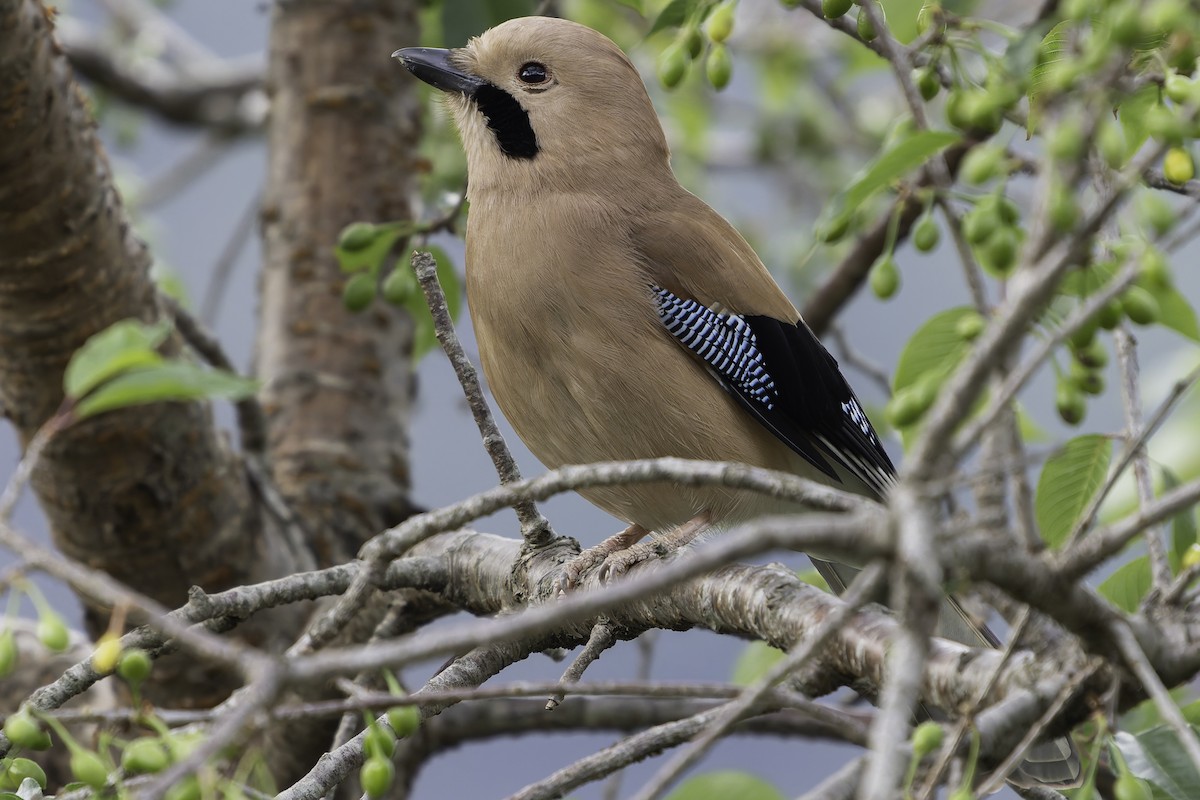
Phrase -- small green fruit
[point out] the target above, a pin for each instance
(52, 632)
(398, 286)
(926, 738)
(1155, 269)
(1093, 356)
(1165, 124)
(1178, 87)
(1110, 315)
(1065, 141)
(376, 777)
(998, 255)
(672, 65)
(404, 720)
(145, 757)
(720, 22)
(1110, 143)
(693, 41)
(358, 292)
(832, 9)
(1062, 209)
(885, 277)
(186, 789)
(926, 234)
(1156, 212)
(866, 28)
(930, 14)
(982, 164)
(89, 768)
(1125, 24)
(22, 729)
(358, 236)
(1140, 306)
(910, 403)
(1082, 337)
(106, 654)
(718, 66)
(135, 665)
(1178, 166)
(927, 82)
(379, 742)
(1191, 556)
(831, 231)
(1070, 403)
(8, 652)
(969, 326)
(1086, 380)
(979, 224)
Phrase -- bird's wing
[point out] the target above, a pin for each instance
(782, 375)
(718, 300)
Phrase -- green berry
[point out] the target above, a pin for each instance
(52, 632)
(910, 403)
(145, 757)
(672, 65)
(1087, 380)
(1156, 212)
(8, 652)
(926, 234)
(106, 654)
(693, 41)
(358, 236)
(1110, 143)
(1178, 87)
(1125, 24)
(1070, 403)
(1093, 355)
(186, 789)
(930, 14)
(1082, 337)
(1110, 315)
(1155, 269)
(376, 777)
(22, 729)
(831, 231)
(1178, 166)
(926, 738)
(884, 277)
(398, 286)
(379, 741)
(17, 770)
(998, 255)
(969, 326)
(89, 768)
(358, 292)
(927, 82)
(1140, 306)
(982, 164)
(134, 666)
(718, 66)
(1165, 124)
(720, 22)
(1077, 9)
(980, 224)
(1065, 141)
(1062, 209)
(1191, 556)
(832, 9)
(866, 28)
(404, 720)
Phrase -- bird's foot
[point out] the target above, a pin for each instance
(568, 578)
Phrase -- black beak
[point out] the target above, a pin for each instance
(432, 65)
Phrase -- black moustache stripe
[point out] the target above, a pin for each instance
(508, 121)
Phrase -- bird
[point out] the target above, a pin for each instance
(619, 317)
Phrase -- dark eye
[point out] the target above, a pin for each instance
(533, 72)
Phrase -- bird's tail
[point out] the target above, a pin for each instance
(1053, 763)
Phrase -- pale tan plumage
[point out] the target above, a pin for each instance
(575, 217)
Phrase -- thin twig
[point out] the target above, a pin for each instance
(1131, 395)
(600, 639)
(219, 279)
(534, 527)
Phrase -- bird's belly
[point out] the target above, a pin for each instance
(578, 403)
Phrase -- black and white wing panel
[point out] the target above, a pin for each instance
(782, 374)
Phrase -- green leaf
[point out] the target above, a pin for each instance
(1175, 312)
(1069, 480)
(1133, 112)
(901, 16)
(1159, 757)
(1183, 525)
(723, 785)
(174, 380)
(123, 345)
(679, 12)
(1053, 49)
(1126, 587)
(935, 348)
(1031, 432)
(753, 662)
(905, 155)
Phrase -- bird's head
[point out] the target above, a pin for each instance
(544, 103)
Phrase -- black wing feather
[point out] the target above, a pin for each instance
(782, 375)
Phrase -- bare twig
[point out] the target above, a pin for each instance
(534, 527)
(600, 639)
